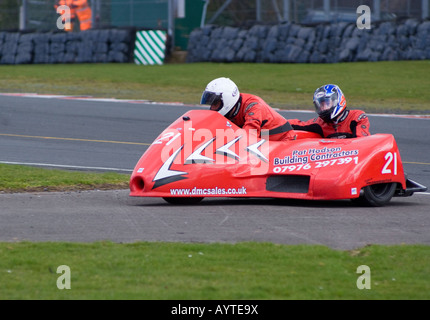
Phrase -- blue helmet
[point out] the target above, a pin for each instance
(329, 102)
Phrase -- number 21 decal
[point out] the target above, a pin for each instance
(390, 158)
(166, 137)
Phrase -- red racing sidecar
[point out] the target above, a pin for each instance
(203, 154)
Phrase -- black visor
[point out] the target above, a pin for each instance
(211, 98)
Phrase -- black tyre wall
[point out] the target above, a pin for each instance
(91, 46)
(292, 43)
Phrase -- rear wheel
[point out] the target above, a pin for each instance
(377, 195)
(176, 200)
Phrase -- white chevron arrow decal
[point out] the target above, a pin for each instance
(165, 171)
(197, 157)
(226, 151)
(254, 149)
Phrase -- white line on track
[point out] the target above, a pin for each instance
(65, 166)
(89, 98)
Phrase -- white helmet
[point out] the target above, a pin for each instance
(221, 90)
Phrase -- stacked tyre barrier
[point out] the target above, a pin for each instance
(91, 46)
(329, 43)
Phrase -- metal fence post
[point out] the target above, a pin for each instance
(23, 15)
(205, 9)
(377, 9)
(287, 10)
(258, 10)
(93, 6)
(171, 23)
(424, 9)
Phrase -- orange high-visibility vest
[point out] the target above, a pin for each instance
(84, 13)
(79, 8)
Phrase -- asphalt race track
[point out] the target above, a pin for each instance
(85, 134)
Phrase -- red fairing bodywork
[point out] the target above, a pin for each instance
(202, 154)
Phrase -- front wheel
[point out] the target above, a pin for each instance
(178, 200)
(378, 195)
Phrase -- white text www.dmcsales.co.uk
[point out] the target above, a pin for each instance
(207, 191)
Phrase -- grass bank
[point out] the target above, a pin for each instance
(17, 178)
(152, 271)
(398, 87)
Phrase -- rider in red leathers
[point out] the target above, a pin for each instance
(334, 119)
(247, 111)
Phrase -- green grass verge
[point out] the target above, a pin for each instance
(105, 270)
(17, 178)
(399, 87)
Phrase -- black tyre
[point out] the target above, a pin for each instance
(378, 195)
(175, 200)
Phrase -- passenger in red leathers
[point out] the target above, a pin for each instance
(334, 119)
(247, 111)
